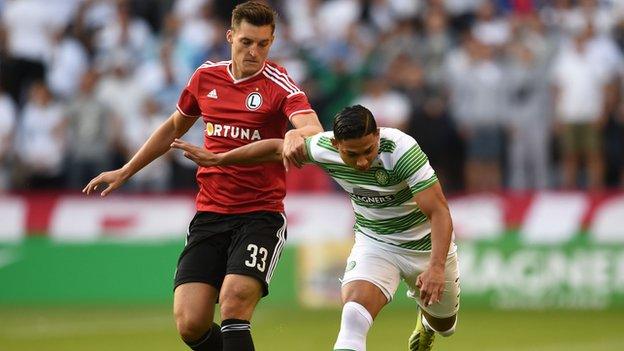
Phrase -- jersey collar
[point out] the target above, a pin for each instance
(236, 81)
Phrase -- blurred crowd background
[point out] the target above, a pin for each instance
(500, 94)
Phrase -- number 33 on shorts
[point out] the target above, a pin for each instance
(257, 257)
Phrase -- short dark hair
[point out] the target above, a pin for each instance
(354, 122)
(254, 12)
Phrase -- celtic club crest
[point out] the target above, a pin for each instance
(382, 177)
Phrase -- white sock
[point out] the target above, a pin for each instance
(444, 333)
(353, 327)
(425, 323)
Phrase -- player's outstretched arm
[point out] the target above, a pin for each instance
(432, 203)
(156, 145)
(269, 150)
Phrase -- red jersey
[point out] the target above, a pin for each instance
(238, 112)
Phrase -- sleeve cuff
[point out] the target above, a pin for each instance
(183, 113)
(299, 112)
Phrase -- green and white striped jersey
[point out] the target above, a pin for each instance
(383, 196)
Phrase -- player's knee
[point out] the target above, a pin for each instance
(237, 309)
(190, 329)
(238, 302)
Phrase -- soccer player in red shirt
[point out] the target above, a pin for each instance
(236, 237)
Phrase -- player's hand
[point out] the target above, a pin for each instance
(294, 149)
(199, 155)
(431, 285)
(112, 180)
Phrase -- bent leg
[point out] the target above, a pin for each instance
(441, 316)
(238, 299)
(193, 309)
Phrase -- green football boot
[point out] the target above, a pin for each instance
(422, 338)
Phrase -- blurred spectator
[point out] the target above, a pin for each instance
(592, 11)
(490, 29)
(126, 33)
(350, 51)
(402, 41)
(199, 35)
(153, 12)
(479, 89)
(433, 128)
(92, 131)
(529, 120)
(391, 108)
(620, 146)
(614, 145)
(68, 62)
(461, 12)
(385, 14)
(7, 124)
(408, 77)
(580, 86)
(28, 27)
(437, 42)
(157, 175)
(122, 94)
(559, 15)
(96, 13)
(531, 31)
(336, 73)
(41, 142)
(442, 61)
(165, 72)
(302, 12)
(5, 61)
(186, 9)
(334, 19)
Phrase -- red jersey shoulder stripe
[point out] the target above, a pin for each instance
(222, 63)
(207, 64)
(295, 93)
(278, 82)
(282, 76)
(276, 68)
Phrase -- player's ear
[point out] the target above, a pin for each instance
(334, 142)
(229, 36)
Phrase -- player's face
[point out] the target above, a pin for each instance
(359, 153)
(250, 48)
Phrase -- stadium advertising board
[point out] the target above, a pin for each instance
(547, 250)
(512, 275)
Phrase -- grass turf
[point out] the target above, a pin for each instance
(122, 328)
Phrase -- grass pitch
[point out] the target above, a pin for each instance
(123, 328)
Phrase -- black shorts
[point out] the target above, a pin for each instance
(220, 244)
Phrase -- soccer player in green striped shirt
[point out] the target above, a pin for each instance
(403, 228)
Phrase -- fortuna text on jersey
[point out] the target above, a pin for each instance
(232, 132)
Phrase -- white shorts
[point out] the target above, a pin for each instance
(385, 268)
